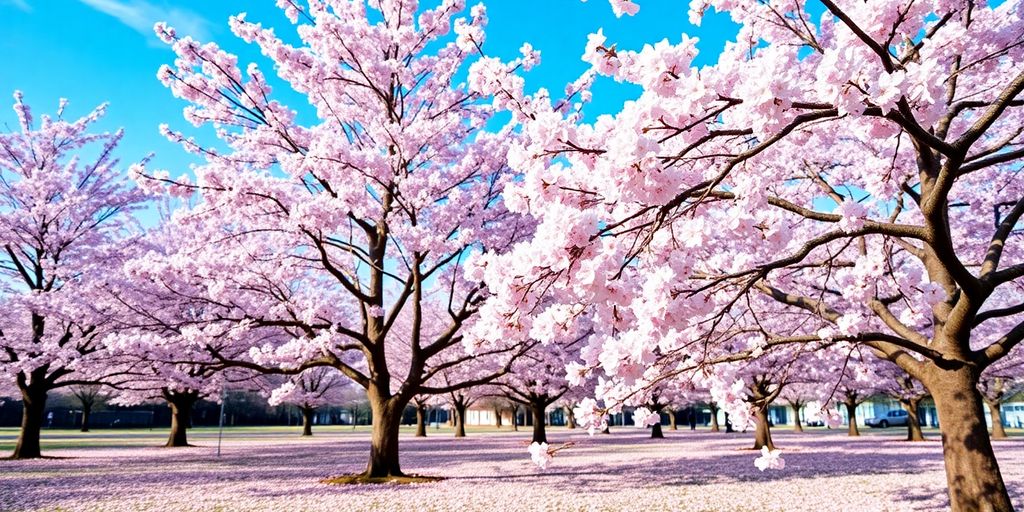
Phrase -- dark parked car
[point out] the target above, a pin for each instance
(892, 418)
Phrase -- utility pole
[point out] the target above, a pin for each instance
(220, 433)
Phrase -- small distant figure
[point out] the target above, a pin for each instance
(49, 419)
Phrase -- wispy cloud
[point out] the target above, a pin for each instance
(21, 5)
(140, 15)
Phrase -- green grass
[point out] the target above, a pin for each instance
(56, 439)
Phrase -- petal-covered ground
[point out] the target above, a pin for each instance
(274, 470)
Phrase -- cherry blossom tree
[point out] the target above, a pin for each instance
(860, 377)
(160, 376)
(900, 386)
(310, 390)
(421, 403)
(66, 211)
(333, 229)
(846, 166)
(664, 399)
(797, 396)
(88, 396)
(155, 325)
(539, 379)
(999, 383)
(757, 383)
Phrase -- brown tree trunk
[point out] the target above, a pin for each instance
(797, 424)
(972, 473)
(570, 418)
(762, 432)
(86, 411)
(181, 418)
(714, 419)
(460, 420)
(307, 420)
(913, 420)
(421, 420)
(851, 415)
(515, 418)
(497, 417)
(539, 433)
(672, 419)
(995, 408)
(386, 422)
(32, 410)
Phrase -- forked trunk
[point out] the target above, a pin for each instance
(995, 408)
(460, 420)
(762, 432)
(714, 419)
(913, 420)
(570, 418)
(86, 411)
(387, 418)
(32, 409)
(797, 424)
(972, 472)
(539, 433)
(181, 418)
(656, 432)
(851, 415)
(307, 421)
(421, 421)
(672, 419)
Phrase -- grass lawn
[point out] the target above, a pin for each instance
(273, 468)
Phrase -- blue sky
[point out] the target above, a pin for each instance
(91, 51)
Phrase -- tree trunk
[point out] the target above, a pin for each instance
(539, 433)
(32, 410)
(714, 420)
(972, 472)
(762, 432)
(672, 419)
(913, 420)
(181, 418)
(460, 420)
(421, 421)
(995, 408)
(656, 432)
(386, 422)
(797, 425)
(307, 421)
(497, 417)
(515, 418)
(570, 418)
(851, 415)
(86, 411)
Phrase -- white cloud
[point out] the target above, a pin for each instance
(21, 5)
(140, 15)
